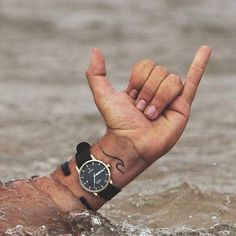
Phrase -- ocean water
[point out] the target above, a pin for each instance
(46, 107)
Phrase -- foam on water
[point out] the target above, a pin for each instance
(183, 210)
(90, 223)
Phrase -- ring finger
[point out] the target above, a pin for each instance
(170, 88)
(158, 74)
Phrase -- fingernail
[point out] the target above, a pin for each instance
(133, 93)
(151, 112)
(141, 105)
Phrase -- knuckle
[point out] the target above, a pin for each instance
(148, 92)
(198, 66)
(140, 72)
(191, 81)
(161, 100)
(144, 63)
(147, 62)
(175, 76)
(175, 79)
(163, 70)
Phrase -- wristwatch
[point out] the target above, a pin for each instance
(94, 175)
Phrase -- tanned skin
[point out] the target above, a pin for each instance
(143, 123)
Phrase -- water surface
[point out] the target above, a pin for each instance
(46, 107)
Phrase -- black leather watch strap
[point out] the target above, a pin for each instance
(82, 146)
(85, 203)
(65, 168)
(109, 192)
(82, 157)
(66, 171)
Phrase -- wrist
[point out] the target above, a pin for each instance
(125, 164)
(72, 184)
(122, 156)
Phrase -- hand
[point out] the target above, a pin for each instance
(135, 138)
(152, 134)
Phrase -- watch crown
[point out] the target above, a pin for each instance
(108, 165)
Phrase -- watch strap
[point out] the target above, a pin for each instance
(82, 154)
(85, 203)
(65, 168)
(109, 192)
(82, 146)
(66, 171)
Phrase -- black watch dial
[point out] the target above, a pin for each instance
(94, 176)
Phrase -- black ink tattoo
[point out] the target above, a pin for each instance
(118, 165)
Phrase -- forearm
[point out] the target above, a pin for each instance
(125, 165)
(48, 196)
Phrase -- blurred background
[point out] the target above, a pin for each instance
(46, 107)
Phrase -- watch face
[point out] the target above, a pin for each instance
(94, 176)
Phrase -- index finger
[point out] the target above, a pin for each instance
(195, 73)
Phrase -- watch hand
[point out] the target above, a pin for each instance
(98, 173)
(94, 177)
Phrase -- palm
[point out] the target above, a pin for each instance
(123, 119)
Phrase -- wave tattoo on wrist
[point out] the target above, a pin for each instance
(120, 163)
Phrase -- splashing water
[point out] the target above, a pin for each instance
(91, 223)
(208, 212)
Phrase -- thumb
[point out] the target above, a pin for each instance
(96, 75)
